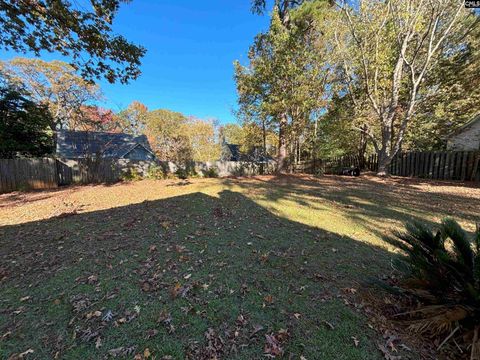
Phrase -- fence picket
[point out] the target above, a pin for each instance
(50, 173)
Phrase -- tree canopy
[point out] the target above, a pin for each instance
(332, 78)
(70, 29)
(56, 85)
(176, 137)
(24, 125)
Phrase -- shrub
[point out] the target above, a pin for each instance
(320, 171)
(155, 172)
(444, 274)
(132, 174)
(211, 172)
(183, 174)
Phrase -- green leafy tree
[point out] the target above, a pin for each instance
(250, 136)
(133, 119)
(387, 49)
(24, 125)
(335, 135)
(450, 96)
(70, 29)
(202, 139)
(231, 133)
(284, 83)
(164, 129)
(178, 138)
(283, 7)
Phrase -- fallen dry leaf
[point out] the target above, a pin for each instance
(21, 355)
(256, 328)
(92, 279)
(329, 325)
(93, 314)
(272, 346)
(268, 299)
(356, 342)
(151, 333)
(121, 351)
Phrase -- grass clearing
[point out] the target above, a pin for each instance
(232, 268)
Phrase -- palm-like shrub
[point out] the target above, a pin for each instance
(444, 274)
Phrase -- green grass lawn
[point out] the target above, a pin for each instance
(220, 268)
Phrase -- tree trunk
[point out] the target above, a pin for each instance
(385, 152)
(362, 148)
(264, 148)
(383, 163)
(282, 143)
(264, 138)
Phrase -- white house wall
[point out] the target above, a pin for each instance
(467, 140)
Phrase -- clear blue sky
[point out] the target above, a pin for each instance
(191, 46)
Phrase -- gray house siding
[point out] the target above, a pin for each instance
(139, 153)
(467, 138)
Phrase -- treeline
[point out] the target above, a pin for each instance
(367, 76)
(38, 98)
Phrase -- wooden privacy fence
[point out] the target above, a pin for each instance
(18, 174)
(86, 171)
(456, 165)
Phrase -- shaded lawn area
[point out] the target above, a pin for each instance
(225, 268)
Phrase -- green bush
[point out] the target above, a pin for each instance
(155, 172)
(320, 171)
(183, 173)
(132, 174)
(211, 172)
(444, 276)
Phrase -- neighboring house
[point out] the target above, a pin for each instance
(467, 137)
(73, 145)
(231, 152)
(258, 155)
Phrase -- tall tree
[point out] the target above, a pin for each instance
(72, 30)
(96, 118)
(176, 137)
(165, 131)
(202, 139)
(231, 133)
(286, 77)
(450, 96)
(282, 7)
(387, 50)
(24, 125)
(56, 85)
(133, 119)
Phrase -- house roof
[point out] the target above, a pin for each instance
(78, 144)
(466, 125)
(234, 151)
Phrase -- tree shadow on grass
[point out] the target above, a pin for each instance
(374, 205)
(192, 276)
